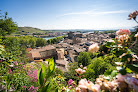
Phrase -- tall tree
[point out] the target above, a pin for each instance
(7, 26)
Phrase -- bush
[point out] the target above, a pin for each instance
(97, 67)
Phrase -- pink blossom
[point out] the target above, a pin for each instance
(85, 68)
(123, 31)
(79, 71)
(23, 86)
(31, 89)
(70, 81)
(121, 77)
(81, 66)
(21, 63)
(15, 63)
(33, 75)
(132, 82)
(123, 37)
(133, 15)
(93, 48)
(24, 66)
(84, 85)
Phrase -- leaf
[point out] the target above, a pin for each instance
(46, 88)
(51, 67)
(114, 73)
(107, 72)
(43, 69)
(41, 78)
(133, 67)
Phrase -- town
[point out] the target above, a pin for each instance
(67, 50)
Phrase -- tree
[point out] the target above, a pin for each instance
(7, 26)
(84, 58)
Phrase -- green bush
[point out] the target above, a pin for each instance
(97, 67)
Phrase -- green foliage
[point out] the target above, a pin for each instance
(84, 58)
(55, 40)
(71, 74)
(7, 26)
(97, 67)
(44, 80)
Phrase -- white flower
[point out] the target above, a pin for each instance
(94, 48)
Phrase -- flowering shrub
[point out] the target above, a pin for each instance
(33, 75)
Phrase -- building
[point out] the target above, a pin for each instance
(42, 53)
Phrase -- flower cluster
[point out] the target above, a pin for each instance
(33, 89)
(71, 84)
(133, 15)
(86, 86)
(123, 35)
(33, 75)
(81, 70)
(93, 48)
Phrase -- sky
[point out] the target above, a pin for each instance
(71, 14)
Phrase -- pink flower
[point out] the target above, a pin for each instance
(84, 85)
(136, 35)
(133, 15)
(15, 63)
(33, 75)
(24, 66)
(36, 88)
(23, 86)
(79, 71)
(123, 31)
(21, 63)
(132, 82)
(121, 78)
(123, 37)
(70, 81)
(81, 66)
(93, 48)
(85, 68)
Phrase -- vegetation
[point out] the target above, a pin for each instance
(7, 26)
(113, 66)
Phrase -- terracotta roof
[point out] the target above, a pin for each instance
(49, 47)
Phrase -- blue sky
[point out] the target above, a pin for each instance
(71, 14)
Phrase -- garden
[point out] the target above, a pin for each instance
(111, 67)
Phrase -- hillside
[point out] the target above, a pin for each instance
(29, 30)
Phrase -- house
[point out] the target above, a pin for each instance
(42, 53)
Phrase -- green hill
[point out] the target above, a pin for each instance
(29, 30)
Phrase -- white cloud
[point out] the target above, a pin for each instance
(94, 12)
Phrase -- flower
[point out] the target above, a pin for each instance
(15, 63)
(136, 35)
(123, 37)
(84, 85)
(81, 66)
(93, 48)
(123, 31)
(80, 71)
(133, 15)
(132, 82)
(70, 81)
(78, 89)
(33, 75)
(85, 68)
(23, 86)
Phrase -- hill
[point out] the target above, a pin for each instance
(29, 30)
